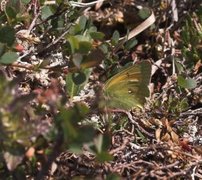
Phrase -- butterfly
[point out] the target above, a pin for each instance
(127, 89)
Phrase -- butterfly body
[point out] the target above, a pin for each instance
(128, 89)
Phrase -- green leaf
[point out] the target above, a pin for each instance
(97, 35)
(78, 78)
(46, 12)
(84, 47)
(142, 137)
(8, 58)
(82, 22)
(186, 83)
(74, 43)
(85, 135)
(144, 13)
(131, 43)
(17, 6)
(81, 62)
(93, 59)
(115, 37)
(7, 35)
(102, 142)
(183, 104)
(105, 48)
(98, 141)
(2, 48)
(11, 13)
(66, 122)
(75, 29)
(57, 24)
(83, 38)
(69, 118)
(71, 87)
(179, 66)
(104, 156)
(77, 59)
(92, 29)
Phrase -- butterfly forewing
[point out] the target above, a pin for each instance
(128, 88)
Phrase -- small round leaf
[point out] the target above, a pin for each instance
(8, 58)
(78, 78)
(7, 35)
(84, 47)
(186, 83)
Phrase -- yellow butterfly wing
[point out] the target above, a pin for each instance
(128, 89)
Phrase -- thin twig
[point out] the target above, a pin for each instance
(55, 41)
(80, 4)
(138, 126)
(33, 22)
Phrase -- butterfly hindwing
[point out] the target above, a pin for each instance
(128, 88)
